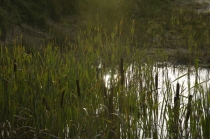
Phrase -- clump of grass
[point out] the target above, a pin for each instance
(41, 98)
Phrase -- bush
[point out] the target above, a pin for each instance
(35, 12)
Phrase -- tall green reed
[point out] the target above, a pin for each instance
(56, 93)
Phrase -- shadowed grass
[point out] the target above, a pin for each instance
(56, 93)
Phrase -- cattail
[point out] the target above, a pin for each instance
(177, 90)
(44, 103)
(156, 81)
(176, 98)
(15, 66)
(62, 97)
(78, 88)
(59, 83)
(176, 111)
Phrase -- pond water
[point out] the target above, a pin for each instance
(192, 81)
(187, 77)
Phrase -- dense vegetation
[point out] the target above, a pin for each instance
(36, 13)
(59, 91)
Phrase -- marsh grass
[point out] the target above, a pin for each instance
(61, 93)
(54, 95)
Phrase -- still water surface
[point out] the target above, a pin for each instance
(191, 81)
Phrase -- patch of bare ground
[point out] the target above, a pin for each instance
(180, 56)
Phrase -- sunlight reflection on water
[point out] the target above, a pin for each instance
(192, 81)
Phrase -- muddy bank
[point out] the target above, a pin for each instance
(199, 6)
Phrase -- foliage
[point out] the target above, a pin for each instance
(59, 92)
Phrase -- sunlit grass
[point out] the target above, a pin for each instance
(56, 93)
(59, 92)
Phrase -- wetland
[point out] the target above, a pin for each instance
(110, 69)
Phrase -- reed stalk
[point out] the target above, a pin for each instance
(189, 110)
(62, 98)
(176, 112)
(78, 88)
